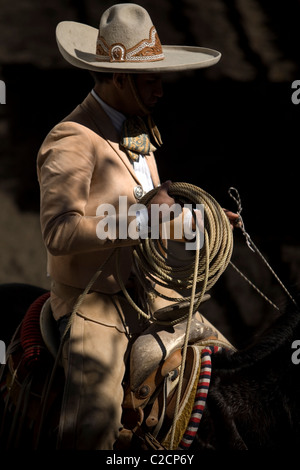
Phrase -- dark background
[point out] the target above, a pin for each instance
(230, 125)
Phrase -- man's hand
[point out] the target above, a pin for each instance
(234, 218)
(161, 197)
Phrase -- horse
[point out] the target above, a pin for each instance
(251, 401)
(254, 395)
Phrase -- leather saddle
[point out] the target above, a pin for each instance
(155, 363)
(148, 407)
(149, 411)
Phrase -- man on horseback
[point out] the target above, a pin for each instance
(88, 160)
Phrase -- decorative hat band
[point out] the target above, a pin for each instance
(127, 42)
(147, 50)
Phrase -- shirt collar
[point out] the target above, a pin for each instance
(116, 117)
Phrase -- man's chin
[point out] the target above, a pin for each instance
(151, 108)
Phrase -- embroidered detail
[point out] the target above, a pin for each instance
(135, 138)
(147, 50)
(201, 396)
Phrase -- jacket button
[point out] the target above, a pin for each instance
(138, 192)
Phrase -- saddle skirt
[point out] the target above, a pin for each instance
(150, 411)
(156, 344)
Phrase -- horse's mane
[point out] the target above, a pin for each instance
(272, 341)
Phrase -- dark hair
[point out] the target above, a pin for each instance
(101, 77)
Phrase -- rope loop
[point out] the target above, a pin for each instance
(151, 256)
(254, 248)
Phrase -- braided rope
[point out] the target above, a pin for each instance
(151, 263)
(204, 271)
(234, 194)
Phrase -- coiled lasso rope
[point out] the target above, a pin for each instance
(204, 270)
(151, 264)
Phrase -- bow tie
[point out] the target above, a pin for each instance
(135, 139)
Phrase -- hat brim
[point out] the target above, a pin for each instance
(77, 41)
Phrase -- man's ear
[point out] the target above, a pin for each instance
(120, 80)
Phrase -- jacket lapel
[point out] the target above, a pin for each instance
(107, 130)
(110, 134)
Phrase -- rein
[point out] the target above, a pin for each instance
(251, 245)
(197, 277)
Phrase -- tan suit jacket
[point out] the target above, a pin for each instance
(80, 166)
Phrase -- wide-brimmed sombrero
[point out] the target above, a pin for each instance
(127, 41)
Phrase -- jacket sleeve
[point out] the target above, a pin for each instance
(66, 163)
